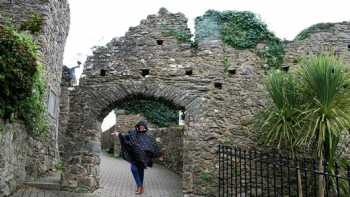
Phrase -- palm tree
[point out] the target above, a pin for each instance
(309, 108)
(278, 124)
(327, 106)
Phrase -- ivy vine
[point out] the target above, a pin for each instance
(22, 87)
(157, 112)
(244, 30)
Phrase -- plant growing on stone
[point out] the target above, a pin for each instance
(21, 82)
(33, 24)
(181, 36)
(244, 30)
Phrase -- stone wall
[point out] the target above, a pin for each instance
(51, 39)
(170, 141)
(150, 62)
(26, 156)
(335, 38)
(13, 156)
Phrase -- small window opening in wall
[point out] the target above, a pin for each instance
(348, 47)
(231, 70)
(103, 72)
(145, 72)
(189, 72)
(160, 42)
(218, 85)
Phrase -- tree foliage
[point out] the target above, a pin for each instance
(157, 112)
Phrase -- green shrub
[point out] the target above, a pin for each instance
(21, 82)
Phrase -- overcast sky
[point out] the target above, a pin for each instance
(95, 22)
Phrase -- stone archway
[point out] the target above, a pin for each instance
(89, 105)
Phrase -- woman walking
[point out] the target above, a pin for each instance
(138, 148)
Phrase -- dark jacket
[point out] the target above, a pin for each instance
(138, 148)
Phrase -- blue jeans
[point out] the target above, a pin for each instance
(138, 174)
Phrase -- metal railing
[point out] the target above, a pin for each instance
(252, 173)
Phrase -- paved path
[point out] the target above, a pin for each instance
(116, 181)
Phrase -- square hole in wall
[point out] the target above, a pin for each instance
(348, 47)
(232, 71)
(189, 72)
(218, 85)
(160, 42)
(144, 72)
(103, 72)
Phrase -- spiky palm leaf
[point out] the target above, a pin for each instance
(327, 107)
(277, 123)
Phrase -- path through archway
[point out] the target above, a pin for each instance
(82, 147)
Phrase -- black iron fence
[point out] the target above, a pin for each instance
(252, 173)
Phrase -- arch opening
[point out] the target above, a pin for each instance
(166, 125)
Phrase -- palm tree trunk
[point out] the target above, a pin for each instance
(321, 179)
(300, 185)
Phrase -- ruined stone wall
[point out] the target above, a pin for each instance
(170, 141)
(335, 38)
(30, 156)
(151, 62)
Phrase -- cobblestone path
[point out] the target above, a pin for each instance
(116, 181)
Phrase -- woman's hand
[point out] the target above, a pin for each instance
(115, 134)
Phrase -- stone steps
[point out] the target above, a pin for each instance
(51, 182)
(44, 186)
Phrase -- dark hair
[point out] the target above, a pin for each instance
(142, 123)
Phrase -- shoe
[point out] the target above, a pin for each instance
(139, 191)
(142, 190)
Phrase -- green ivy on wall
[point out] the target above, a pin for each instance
(22, 87)
(244, 30)
(157, 112)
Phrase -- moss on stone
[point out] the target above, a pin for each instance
(34, 24)
(320, 27)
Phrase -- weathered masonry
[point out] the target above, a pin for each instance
(22, 156)
(154, 60)
(153, 63)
